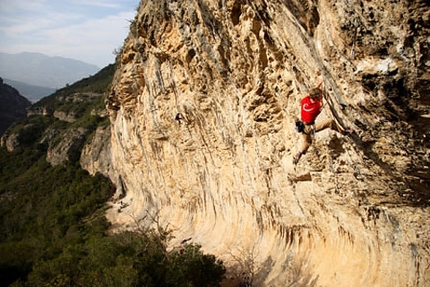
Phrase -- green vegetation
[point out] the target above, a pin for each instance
(78, 99)
(80, 96)
(42, 209)
(99, 83)
(53, 233)
(52, 226)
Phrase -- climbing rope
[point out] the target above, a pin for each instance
(354, 39)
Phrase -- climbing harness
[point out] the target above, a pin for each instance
(300, 126)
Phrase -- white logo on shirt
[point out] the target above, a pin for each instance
(305, 108)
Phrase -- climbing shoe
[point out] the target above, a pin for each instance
(297, 157)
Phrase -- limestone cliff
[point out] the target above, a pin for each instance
(203, 106)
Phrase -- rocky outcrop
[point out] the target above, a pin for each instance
(67, 146)
(10, 142)
(26, 133)
(203, 107)
(40, 111)
(63, 116)
(12, 106)
(93, 157)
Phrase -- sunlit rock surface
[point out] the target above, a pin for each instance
(203, 107)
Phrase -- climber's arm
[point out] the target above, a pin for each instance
(322, 94)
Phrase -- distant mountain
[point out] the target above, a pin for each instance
(12, 106)
(31, 92)
(45, 71)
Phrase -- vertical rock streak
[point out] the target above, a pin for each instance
(202, 109)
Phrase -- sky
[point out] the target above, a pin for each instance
(85, 30)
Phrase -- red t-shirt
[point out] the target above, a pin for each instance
(309, 110)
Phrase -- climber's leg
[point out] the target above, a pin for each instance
(306, 142)
(328, 123)
(306, 139)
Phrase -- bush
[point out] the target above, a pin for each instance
(129, 259)
(53, 233)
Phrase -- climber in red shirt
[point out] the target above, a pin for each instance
(311, 107)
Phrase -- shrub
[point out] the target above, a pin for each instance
(53, 233)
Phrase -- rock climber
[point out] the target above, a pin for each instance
(179, 117)
(311, 106)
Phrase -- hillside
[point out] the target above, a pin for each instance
(44, 194)
(71, 113)
(31, 92)
(12, 106)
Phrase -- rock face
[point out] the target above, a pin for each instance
(69, 146)
(203, 107)
(93, 157)
(12, 106)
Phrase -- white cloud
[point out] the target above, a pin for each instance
(59, 29)
(93, 40)
(104, 4)
(31, 23)
(11, 6)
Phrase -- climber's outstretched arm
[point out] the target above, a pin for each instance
(323, 92)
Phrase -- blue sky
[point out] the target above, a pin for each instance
(86, 30)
